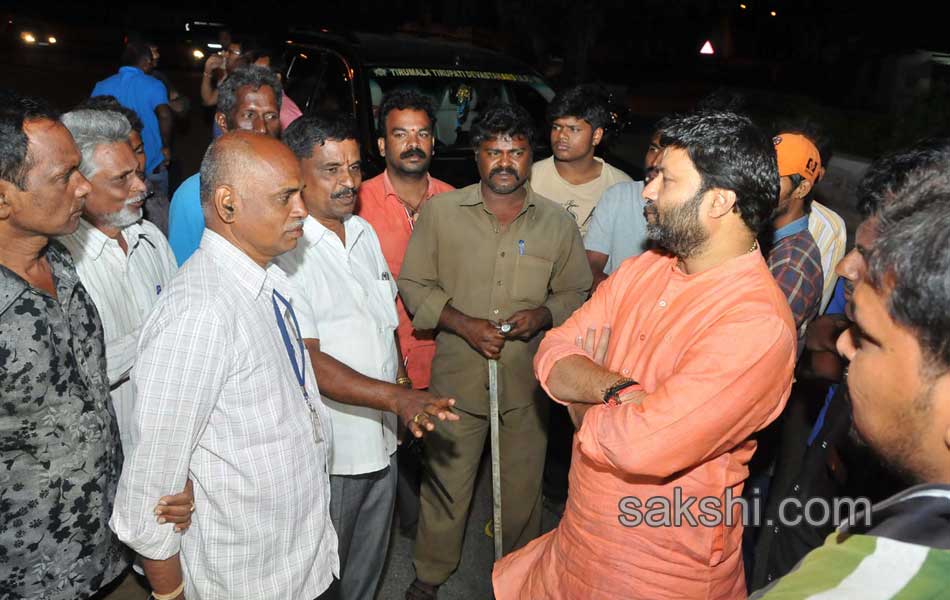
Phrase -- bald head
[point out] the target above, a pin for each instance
(250, 193)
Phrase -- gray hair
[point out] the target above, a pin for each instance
(254, 76)
(90, 129)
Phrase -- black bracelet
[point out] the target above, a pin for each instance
(613, 392)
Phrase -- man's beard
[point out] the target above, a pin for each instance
(678, 229)
(127, 215)
(900, 456)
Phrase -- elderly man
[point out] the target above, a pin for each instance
(60, 452)
(249, 100)
(226, 396)
(347, 312)
(699, 356)
(156, 203)
(123, 261)
(492, 254)
(899, 383)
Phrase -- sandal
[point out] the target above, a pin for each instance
(422, 591)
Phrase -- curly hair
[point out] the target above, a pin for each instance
(253, 76)
(502, 119)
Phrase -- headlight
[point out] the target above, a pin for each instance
(52, 39)
(198, 54)
(27, 37)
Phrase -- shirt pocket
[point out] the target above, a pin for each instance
(386, 297)
(531, 277)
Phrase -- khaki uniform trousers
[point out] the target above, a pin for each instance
(453, 452)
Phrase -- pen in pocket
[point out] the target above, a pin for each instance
(521, 247)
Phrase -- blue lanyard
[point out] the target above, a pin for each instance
(300, 370)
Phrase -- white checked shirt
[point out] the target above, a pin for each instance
(124, 288)
(346, 298)
(217, 400)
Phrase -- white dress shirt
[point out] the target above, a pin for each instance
(124, 288)
(347, 299)
(217, 400)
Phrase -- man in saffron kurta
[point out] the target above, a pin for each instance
(705, 341)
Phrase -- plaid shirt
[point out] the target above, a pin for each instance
(795, 262)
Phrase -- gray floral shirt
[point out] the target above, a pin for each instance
(59, 444)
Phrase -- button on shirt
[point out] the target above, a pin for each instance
(134, 89)
(381, 207)
(124, 288)
(346, 298)
(459, 253)
(217, 400)
(60, 455)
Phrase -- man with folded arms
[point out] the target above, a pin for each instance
(698, 357)
(226, 396)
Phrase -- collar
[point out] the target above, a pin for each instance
(93, 242)
(474, 197)
(389, 190)
(12, 286)
(131, 69)
(315, 232)
(241, 270)
(796, 226)
(603, 167)
(917, 515)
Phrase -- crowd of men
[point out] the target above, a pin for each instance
(223, 405)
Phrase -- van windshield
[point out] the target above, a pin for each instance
(460, 95)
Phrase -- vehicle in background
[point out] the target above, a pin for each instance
(27, 32)
(351, 72)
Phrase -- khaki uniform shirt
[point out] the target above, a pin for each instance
(460, 254)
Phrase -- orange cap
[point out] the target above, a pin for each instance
(797, 156)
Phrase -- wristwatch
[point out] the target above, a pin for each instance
(612, 394)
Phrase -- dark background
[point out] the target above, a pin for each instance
(872, 76)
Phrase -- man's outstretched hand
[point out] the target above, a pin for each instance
(418, 411)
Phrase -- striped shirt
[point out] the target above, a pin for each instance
(831, 235)
(218, 401)
(124, 288)
(903, 553)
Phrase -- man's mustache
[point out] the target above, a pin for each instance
(347, 192)
(413, 152)
(500, 170)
